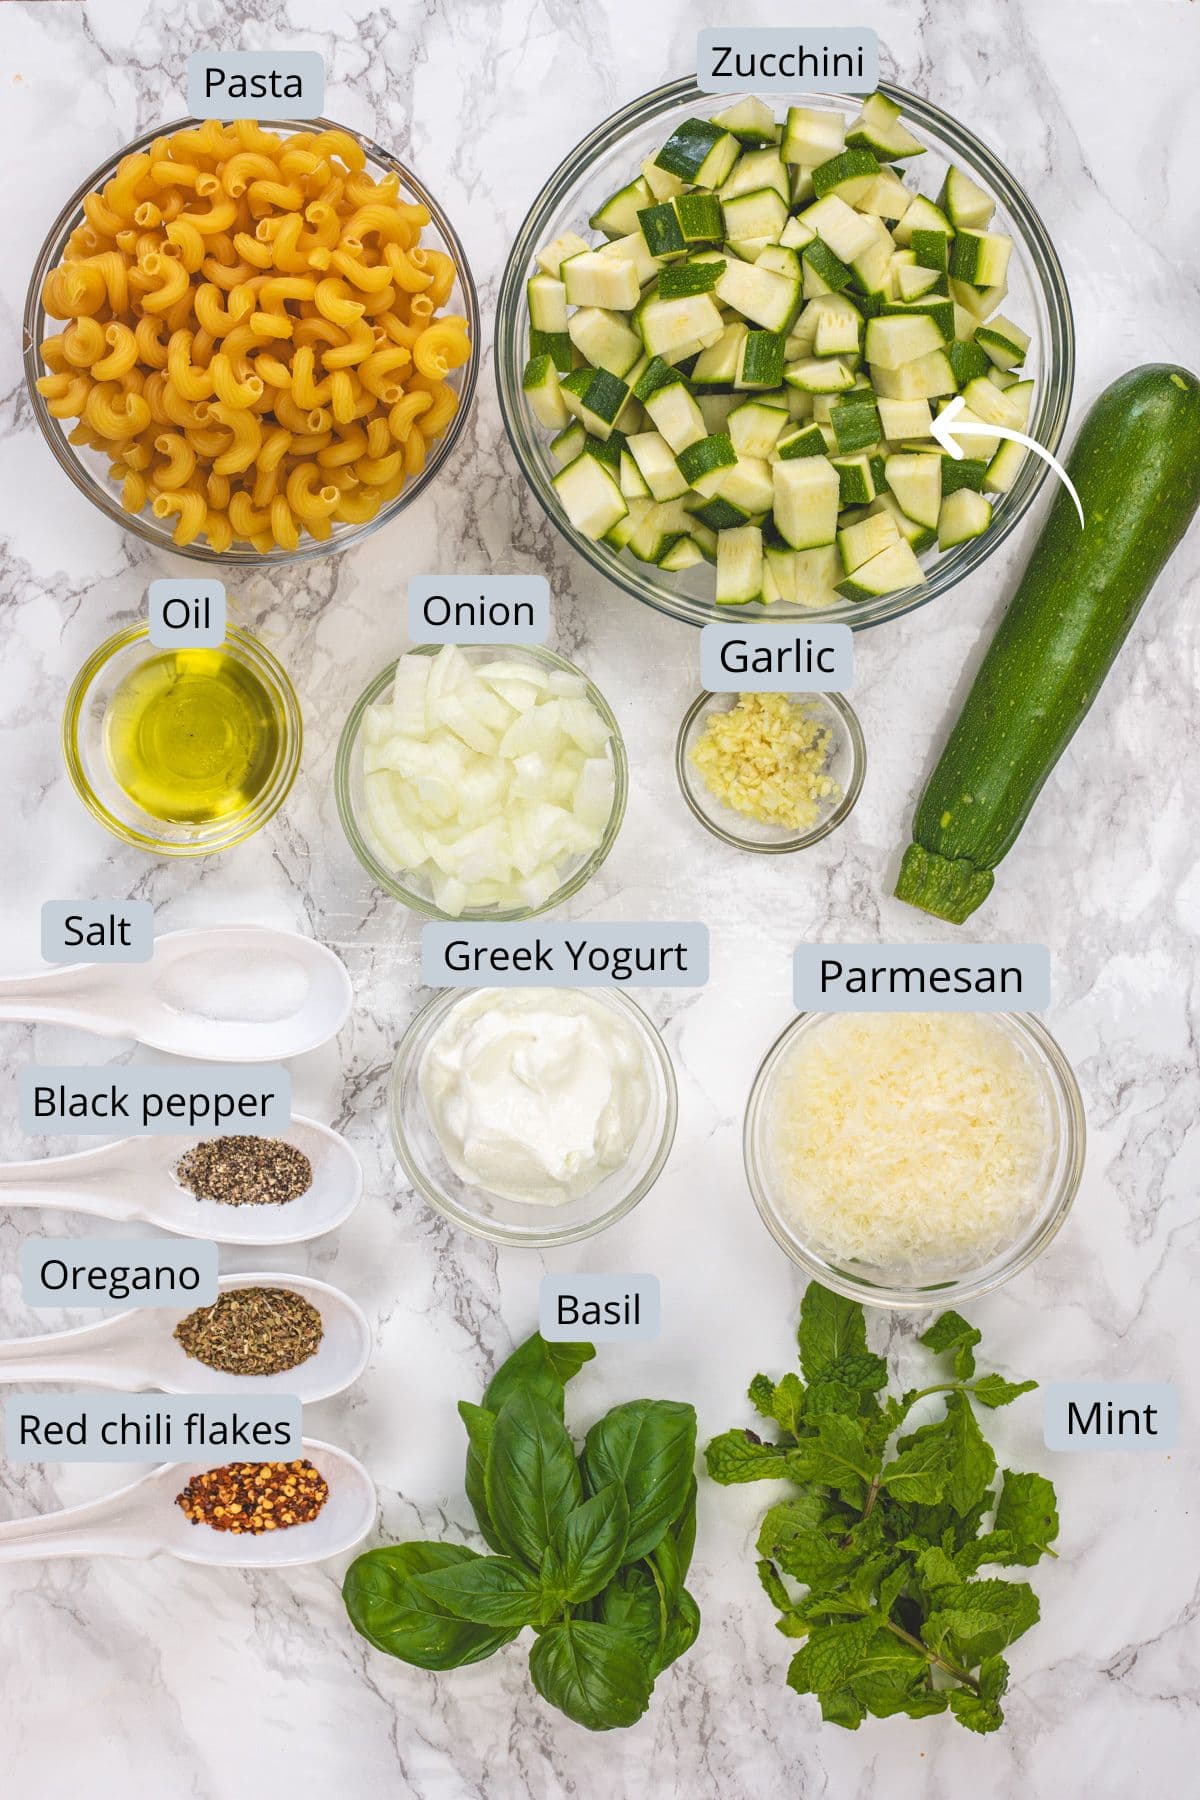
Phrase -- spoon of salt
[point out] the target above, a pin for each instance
(228, 993)
(134, 1179)
(143, 1520)
(137, 1351)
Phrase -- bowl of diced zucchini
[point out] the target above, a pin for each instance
(726, 334)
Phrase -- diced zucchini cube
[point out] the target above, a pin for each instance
(751, 121)
(594, 279)
(845, 231)
(807, 494)
(541, 388)
(675, 414)
(855, 421)
(922, 379)
(719, 363)
(700, 152)
(964, 202)
(802, 440)
(605, 339)
(878, 128)
(659, 225)
(551, 258)
(812, 135)
(739, 566)
(916, 481)
(748, 485)
(1003, 342)
(755, 427)
(856, 479)
(618, 215)
(760, 360)
(895, 340)
(761, 296)
(547, 298)
(596, 398)
(889, 572)
(761, 213)
(590, 496)
(704, 465)
(848, 175)
(824, 273)
(657, 465)
(669, 328)
(964, 515)
(858, 543)
(980, 257)
(900, 419)
(819, 375)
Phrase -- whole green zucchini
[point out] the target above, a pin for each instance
(1136, 464)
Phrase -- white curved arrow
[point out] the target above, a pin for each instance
(943, 425)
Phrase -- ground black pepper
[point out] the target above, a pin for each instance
(255, 1497)
(245, 1171)
(252, 1331)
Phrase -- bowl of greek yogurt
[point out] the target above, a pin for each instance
(532, 1115)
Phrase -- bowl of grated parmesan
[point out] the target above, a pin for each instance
(910, 1158)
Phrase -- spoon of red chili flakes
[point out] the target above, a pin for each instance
(254, 1497)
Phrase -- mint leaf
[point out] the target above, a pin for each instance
(783, 1401)
(738, 1456)
(830, 1329)
(838, 1456)
(831, 1396)
(1028, 1511)
(993, 1390)
(829, 1656)
(919, 1474)
(981, 1712)
(980, 1619)
(971, 1463)
(951, 1332)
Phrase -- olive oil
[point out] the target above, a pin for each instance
(192, 736)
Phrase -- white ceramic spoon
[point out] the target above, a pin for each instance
(134, 1180)
(231, 993)
(137, 1351)
(143, 1520)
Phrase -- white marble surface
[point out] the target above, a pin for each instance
(126, 1678)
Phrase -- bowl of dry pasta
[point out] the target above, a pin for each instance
(251, 343)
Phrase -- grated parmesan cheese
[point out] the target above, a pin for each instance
(912, 1142)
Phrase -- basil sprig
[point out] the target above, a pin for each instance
(591, 1551)
(874, 1560)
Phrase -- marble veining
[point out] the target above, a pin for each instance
(195, 1682)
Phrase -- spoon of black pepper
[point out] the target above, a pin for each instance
(227, 993)
(136, 1179)
(252, 1339)
(144, 1519)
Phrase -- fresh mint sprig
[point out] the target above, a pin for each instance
(874, 1562)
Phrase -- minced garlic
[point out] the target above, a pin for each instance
(766, 757)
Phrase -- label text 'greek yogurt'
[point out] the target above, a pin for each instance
(105, 1271)
(151, 1428)
(776, 658)
(1110, 1415)
(145, 1100)
(478, 609)
(118, 931)
(283, 84)
(921, 977)
(598, 1307)
(785, 59)
(530, 955)
(188, 614)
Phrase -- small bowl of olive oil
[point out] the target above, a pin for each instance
(182, 752)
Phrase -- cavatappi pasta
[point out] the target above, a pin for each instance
(251, 334)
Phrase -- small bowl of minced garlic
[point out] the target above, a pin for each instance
(770, 772)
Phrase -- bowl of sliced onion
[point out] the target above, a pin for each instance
(481, 781)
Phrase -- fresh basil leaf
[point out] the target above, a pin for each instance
(830, 1329)
(952, 1332)
(683, 1628)
(382, 1597)
(532, 1478)
(740, 1456)
(592, 1673)
(684, 1530)
(588, 1546)
(538, 1365)
(480, 1424)
(993, 1390)
(1028, 1511)
(491, 1590)
(632, 1604)
(649, 1446)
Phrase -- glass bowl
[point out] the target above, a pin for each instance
(349, 787)
(503, 1221)
(88, 469)
(83, 735)
(846, 762)
(609, 157)
(1062, 1170)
